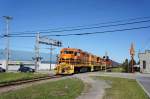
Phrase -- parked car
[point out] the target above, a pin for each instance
(26, 69)
(2, 69)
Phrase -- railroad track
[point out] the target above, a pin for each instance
(19, 82)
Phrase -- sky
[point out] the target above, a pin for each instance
(36, 15)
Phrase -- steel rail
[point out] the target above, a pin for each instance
(19, 82)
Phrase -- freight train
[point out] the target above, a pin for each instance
(73, 60)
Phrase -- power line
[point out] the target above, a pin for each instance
(146, 44)
(23, 36)
(129, 19)
(99, 26)
(75, 29)
(90, 27)
(117, 30)
(1, 36)
(89, 33)
(128, 23)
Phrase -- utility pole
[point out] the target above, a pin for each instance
(37, 56)
(7, 18)
(50, 55)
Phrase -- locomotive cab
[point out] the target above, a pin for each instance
(67, 59)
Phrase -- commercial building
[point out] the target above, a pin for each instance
(144, 61)
(14, 65)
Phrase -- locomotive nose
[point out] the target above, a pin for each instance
(68, 56)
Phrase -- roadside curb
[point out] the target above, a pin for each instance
(143, 88)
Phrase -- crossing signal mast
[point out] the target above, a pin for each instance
(132, 54)
(46, 41)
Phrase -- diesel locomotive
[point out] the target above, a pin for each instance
(73, 60)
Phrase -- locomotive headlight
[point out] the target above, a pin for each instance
(71, 66)
(55, 68)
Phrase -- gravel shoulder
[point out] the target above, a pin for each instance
(94, 89)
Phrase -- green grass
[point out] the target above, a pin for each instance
(62, 89)
(122, 88)
(7, 77)
(117, 69)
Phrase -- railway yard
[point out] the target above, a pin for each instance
(90, 85)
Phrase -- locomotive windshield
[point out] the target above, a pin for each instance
(68, 52)
(77, 53)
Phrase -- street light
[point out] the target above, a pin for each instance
(7, 18)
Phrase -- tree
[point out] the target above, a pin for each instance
(126, 65)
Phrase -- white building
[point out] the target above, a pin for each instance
(144, 61)
(14, 65)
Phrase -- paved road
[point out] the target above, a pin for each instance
(145, 83)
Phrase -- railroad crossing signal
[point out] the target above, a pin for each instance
(132, 53)
(47, 41)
